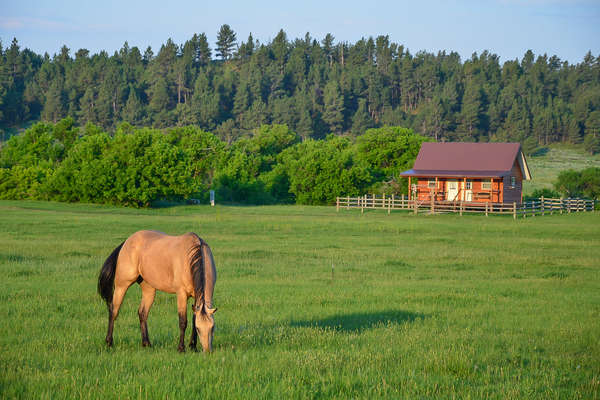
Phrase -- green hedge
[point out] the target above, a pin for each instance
(136, 167)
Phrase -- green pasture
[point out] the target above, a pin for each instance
(312, 304)
(548, 162)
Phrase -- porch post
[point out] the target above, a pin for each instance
(409, 188)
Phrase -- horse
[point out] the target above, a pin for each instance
(182, 265)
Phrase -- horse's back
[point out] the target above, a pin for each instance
(160, 259)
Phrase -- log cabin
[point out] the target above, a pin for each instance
(469, 172)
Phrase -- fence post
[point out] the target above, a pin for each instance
(561, 205)
(514, 210)
(390, 200)
(348, 203)
(402, 204)
(461, 208)
(432, 204)
(543, 205)
(486, 209)
(337, 204)
(416, 207)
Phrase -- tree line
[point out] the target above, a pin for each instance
(315, 87)
(140, 166)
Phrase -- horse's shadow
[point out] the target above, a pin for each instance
(357, 322)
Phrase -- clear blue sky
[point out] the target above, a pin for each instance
(566, 28)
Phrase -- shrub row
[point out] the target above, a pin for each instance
(136, 167)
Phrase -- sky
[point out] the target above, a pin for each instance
(508, 28)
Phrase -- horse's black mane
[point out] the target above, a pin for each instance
(197, 265)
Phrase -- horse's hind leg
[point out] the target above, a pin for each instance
(113, 311)
(148, 293)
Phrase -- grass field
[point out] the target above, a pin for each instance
(415, 307)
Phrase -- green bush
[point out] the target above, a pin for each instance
(546, 193)
(319, 171)
(584, 183)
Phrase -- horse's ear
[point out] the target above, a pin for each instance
(210, 311)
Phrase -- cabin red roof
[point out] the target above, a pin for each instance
(468, 160)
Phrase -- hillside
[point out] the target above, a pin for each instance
(549, 162)
(314, 86)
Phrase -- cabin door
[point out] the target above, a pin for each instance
(452, 190)
(468, 190)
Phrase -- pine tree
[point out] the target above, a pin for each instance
(133, 112)
(246, 49)
(54, 106)
(280, 49)
(304, 122)
(225, 42)
(573, 131)
(205, 105)
(87, 112)
(361, 121)
(203, 52)
(333, 113)
(328, 48)
(242, 100)
(592, 144)
(104, 110)
(159, 104)
(470, 114)
(592, 124)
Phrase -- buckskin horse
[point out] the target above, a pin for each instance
(182, 265)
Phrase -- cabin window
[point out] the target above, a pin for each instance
(486, 184)
(513, 181)
(469, 184)
(431, 183)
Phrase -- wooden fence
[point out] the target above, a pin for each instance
(539, 206)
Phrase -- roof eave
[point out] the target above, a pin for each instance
(455, 174)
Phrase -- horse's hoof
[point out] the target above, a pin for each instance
(181, 349)
(193, 348)
(109, 342)
(146, 344)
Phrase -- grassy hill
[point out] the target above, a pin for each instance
(549, 162)
(312, 304)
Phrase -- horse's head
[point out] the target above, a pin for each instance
(205, 325)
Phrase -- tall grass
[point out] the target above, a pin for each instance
(312, 304)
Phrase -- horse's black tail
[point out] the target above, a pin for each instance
(106, 280)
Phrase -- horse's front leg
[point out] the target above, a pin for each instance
(194, 337)
(182, 311)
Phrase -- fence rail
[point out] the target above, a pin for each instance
(531, 208)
